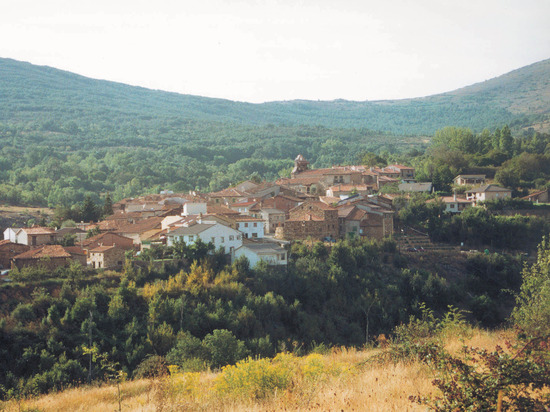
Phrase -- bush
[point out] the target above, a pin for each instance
(473, 380)
(151, 367)
(224, 348)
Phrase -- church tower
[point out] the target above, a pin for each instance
(300, 165)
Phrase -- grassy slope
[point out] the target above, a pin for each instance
(29, 92)
(371, 387)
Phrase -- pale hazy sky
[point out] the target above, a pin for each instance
(256, 51)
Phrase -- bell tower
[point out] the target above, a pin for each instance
(300, 165)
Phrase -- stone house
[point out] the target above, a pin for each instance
(273, 219)
(106, 257)
(49, 256)
(542, 196)
(8, 250)
(108, 239)
(135, 230)
(312, 219)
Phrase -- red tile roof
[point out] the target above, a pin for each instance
(51, 251)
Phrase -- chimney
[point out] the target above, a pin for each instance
(454, 195)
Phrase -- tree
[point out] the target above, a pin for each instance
(532, 311)
(372, 159)
(108, 205)
(506, 142)
(224, 348)
(89, 210)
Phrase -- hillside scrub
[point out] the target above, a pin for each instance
(208, 315)
(342, 379)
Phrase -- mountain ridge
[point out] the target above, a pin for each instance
(520, 98)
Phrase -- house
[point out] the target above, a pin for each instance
(49, 256)
(227, 196)
(251, 227)
(8, 250)
(135, 230)
(208, 231)
(280, 202)
(349, 220)
(273, 219)
(405, 173)
(11, 234)
(194, 208)
(242, 207)
(376, 223)
(312, 219)
(455, 204)
(77, 253)
(31, 236)
(473, 180)
(415, 187)
(488, 192)
(106, 257)
(269, 252)
(348, 190)
(79, 234)
(542, 196)
(108, 239)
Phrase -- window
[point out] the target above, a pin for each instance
(246, 225)
(222, 239)
(255, 224)
(213, 239)
(238, 237)
(283, 257)
(254, 235)
(231, 237)
(191, 238)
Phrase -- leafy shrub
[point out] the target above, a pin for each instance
(472, 381)
(151, 367)
(256, 379)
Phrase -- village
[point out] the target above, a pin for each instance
(254, 220)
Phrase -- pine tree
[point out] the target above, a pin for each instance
(108, 205)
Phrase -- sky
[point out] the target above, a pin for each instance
(257, 51)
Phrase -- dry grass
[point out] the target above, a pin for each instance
(26, 210)
(359, 387)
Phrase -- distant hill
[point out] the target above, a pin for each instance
(30, 93)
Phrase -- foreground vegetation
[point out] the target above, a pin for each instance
(342, 379)
(67, 327)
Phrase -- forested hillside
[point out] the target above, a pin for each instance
(35, 93)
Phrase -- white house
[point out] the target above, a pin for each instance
(31, 236)
(194, 208)
(454, 204)
(11, 234)
(270, 252)
(488, 192)
(220, 235)
(251, 227)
